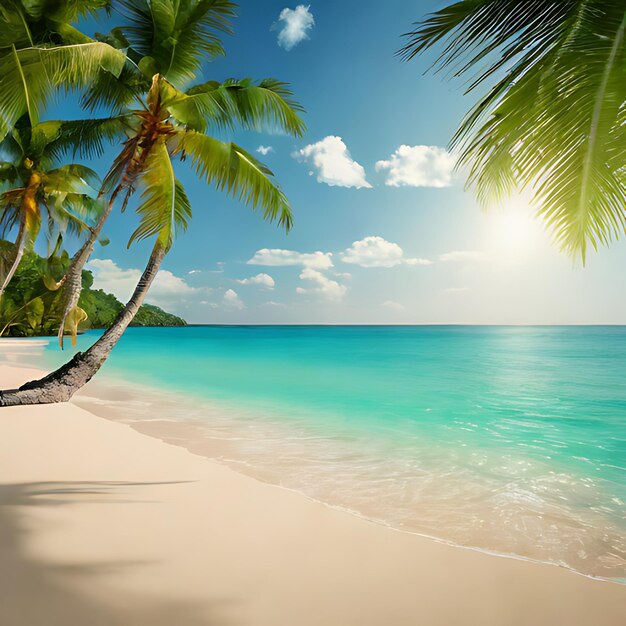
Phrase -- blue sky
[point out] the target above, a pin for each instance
(397, 242)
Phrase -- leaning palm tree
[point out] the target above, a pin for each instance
(167, 40)
(36, 188)
(554, 119)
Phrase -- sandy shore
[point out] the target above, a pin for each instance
(105, 526)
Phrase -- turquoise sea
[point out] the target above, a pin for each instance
(506, 439)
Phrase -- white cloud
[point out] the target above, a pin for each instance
(295, 23)
(418, 166)
(263, 280)
(417, 261)
(391, 304)
(165, 290)
(462, 255)
(265, 150)
(333, 163)
(378, 252)
(324, 286)
(233, 300)
(456, 290)
(219, 270)
(273, 303)
(277, 257)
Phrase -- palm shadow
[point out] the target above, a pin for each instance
(34, 592)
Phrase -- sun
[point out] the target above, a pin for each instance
(513, 230)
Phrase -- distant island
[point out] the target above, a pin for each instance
(29, 309)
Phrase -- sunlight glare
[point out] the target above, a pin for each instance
(513, 230)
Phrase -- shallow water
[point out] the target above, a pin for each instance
(509, 439)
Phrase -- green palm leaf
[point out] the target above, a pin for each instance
(554, 119)
(164, 208)
(264, 105)
(61, 10)
(29, 77)
(87, 138)
(174, 37)
(238, 173)
(72, 178)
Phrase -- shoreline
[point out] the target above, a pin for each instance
(270, 547)
(109, 396)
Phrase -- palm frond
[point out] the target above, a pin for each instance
(10, 202)
(115, 93)
(14, 29)
(164, 208)
(64, 10)
(72, 213)
(9, 174)
(554, 120)
(72, 178)
(494, 31)
(29, 77)
(264, 105)
(238, 173)
(87, 138)
(176, 35)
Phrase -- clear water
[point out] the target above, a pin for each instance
(509, 439)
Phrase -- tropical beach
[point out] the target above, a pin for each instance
(313, 313)
(155, 535)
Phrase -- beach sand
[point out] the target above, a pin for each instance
(101, 525)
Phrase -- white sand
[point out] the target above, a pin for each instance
(103, 526)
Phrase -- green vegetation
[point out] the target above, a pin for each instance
(63, 197)
(28, 308)
(140, 74)
(151, 315)
(553, 119)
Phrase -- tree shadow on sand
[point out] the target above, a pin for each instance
(34, 592)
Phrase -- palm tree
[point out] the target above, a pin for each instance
(36, 188)
(41, 53)
(167, 40)
(554, 119)
(166, 43)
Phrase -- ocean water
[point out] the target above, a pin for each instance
(505, 439)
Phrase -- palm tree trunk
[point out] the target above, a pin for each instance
(60, 385)
(20, 242)
(73, 279)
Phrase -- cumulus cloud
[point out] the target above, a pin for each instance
(231, 299)
(462, 255)
(265, 150)
(277, 257)
(165, 290)
(294, 25)
(392, 304)
(334, 165)
(418, 166)
(322, 285)
(263, 280)
(378, 252)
